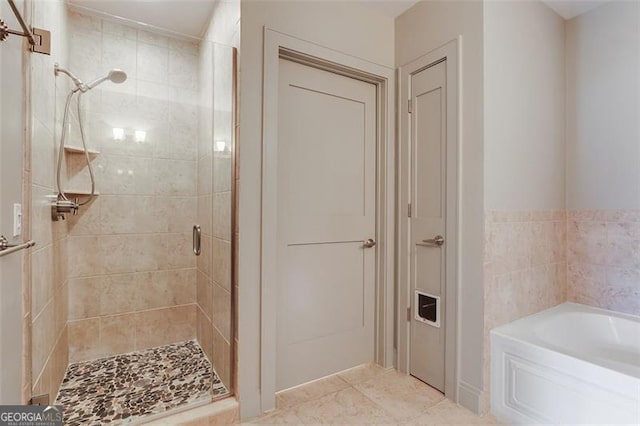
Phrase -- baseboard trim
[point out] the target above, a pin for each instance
(470, 397)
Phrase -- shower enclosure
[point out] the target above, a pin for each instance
(127, 321)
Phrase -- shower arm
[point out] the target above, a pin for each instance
(95, 83)
(79, 84)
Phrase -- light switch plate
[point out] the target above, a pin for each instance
(17, 220)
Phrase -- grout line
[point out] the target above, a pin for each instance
(205, 315)
(131, 234)
(113, 274)
(215, 328)
(131, 312)
(49, 359)
(78, 277)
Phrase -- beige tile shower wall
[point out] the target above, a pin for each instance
(603, 255)
(46, 266)
(525, 268)
(132, 272)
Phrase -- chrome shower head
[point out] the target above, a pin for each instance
(115, 76)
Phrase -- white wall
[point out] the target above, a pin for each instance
(224, 24)
(11, 155)
(524, 111)
(603, 157)
(343, 26)
(524, 106)
(603, 105)
(421, 29)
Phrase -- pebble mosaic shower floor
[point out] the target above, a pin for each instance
(125, 388)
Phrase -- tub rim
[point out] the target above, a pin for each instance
(514, 331)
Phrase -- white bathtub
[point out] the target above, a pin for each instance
(569, 364)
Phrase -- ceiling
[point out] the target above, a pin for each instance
(571, 8)
(393, 8)
(190, 17)
(185, 17)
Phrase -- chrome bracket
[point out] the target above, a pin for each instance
(43, 41)
(61, 207)
(39, 39)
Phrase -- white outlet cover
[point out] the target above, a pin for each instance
(17, 220)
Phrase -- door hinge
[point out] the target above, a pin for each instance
(410, 106)
(409, 210)
(409, 314)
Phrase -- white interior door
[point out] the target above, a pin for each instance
(326, 210)
(428, 157)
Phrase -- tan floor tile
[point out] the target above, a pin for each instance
(400, 395)
(291, 398)
(347, 406)
(362, 373)
(222, 412)
(278, 417)
(449, 413)
(386, 398)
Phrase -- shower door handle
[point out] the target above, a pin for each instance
(197, 240)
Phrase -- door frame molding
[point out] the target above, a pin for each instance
(279, 45)
(449, 52)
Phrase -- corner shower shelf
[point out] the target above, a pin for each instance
(80, 150)
(79, 192)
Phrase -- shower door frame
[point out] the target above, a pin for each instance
(278, 45)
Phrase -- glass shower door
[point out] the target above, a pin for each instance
(216, 211)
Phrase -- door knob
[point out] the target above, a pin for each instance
(369, 243)
(437, 241)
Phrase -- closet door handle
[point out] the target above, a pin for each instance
(197, 240)
(437, 241)
(369, 243)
